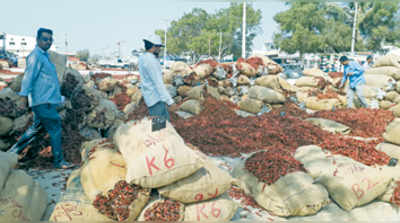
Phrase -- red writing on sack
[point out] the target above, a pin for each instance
(200, 196)
(17, 209)
(358, 191)
(214, 211)
(68, 210)
(168, 162)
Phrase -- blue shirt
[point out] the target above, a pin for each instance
(357, 78)
(40, 82)
(151, 81)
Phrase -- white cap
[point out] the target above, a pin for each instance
(154, 39)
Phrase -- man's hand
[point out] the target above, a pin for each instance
(350, 74)
(173, 107)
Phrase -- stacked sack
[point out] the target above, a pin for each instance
(21, 198)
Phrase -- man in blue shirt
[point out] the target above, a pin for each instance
(40, 84)
(355, 73)
(154, 92)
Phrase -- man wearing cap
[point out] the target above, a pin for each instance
(368, 63)
(154, 92)
(41, 86)
(355, 73)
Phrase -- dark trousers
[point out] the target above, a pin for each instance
(160, 109)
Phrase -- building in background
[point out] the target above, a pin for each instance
(19, 45)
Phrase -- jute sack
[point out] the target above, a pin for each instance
(396, 110)
(243, 80)
(266, 95)
(203, 70)
(307, 82)
(387, 60)
(107, 84)
(207, 183)
(375, 212)
(321, 104)
(389, 71)
(354, 190)
(251, 105)
(7, 162)
(394, 173)
(330, 126)
(315, 72)
(22, 199)
(386, 105)
(246, 69)
(181, 68)
(216, 210)
(102, 171)
(60, 62)
(392, 133)
(90, 147)
(103, 115)
(196, 93)
(6, 125)
(292, 195)
(276, 83)
(330, 213)
(74, 181)
(392, 96)
(390, 149)
(192, 106)
(151, 211)
(379, 81)
(320, 162)
(155, 159)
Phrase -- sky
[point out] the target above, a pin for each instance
(100, 25)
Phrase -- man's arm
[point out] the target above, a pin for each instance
(343, 80)
(31, 73)
(156, 77)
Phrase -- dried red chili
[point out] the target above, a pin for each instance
(115, 204)
(167, 210)
(395, 199)
(238, 194)
(121, 100)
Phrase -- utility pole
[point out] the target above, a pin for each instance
(353, 39)
(244, 30)
(66, 43)
(220, 46)
(165, 44)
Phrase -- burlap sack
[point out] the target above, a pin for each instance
(398, 87)
(246, 69)
(183, 90)
(102, 171)
(243, 80)
(321, 104)
(6, 125)
(192, 106)
(392, 133)
(330, 213)
(207, 183)
(386, 104)
(393, 96)
(375, 212)
(181, 68)
(203, 70)
(292, 195)
(251, 105)
(22, 199)
(7, 162)
(330, 126)
(266, 95)
(155, 159)
(388, 60)
(307, 82)
(390, 149)
(60, 62)
(396, 110)
(149, 207)
(216, 210)
(315, 72)
(103, 115)
(379, 81)
(90, 147)
(354, 190)
(107, 84)
(196, 93)
(213, 92)
(393, 72)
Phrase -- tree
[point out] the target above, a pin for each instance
(83, 55)
(198, 33)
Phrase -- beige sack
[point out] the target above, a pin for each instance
(392, 133)
(213, 92)
(192, 106)
(329, 125)
(307, 82)
(388, 60)
(251, 105)
(375, 212)
(107, 84)
(6, 125)
(379, 81)
(266, 95)
(181, 68)
(196, 93)
(60, 62)
(22, 199)
(103, 116)
(207, 183)
(155, 159)
(101, 172)
(150, 210)
(246, 69)
(183, 90)
(396, 111)
(321, 104)
(390, 149)
(243, 80)
(203, 70)
(90, 147)
(356, 189)
(386, 105)
(8, 161)
(389, 71)
(292, 195)
(216, 210)
(330, 213)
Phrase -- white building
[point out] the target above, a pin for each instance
(20, 45)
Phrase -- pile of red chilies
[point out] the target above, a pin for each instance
(167, 210)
